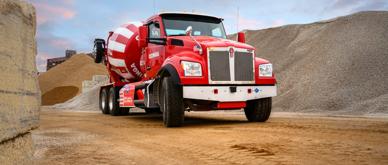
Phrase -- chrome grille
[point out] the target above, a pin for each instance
(243, 66)
(219, 66)
(228, 69)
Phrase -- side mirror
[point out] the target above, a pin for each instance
(189, 30)
(241, 37)
(143, 36)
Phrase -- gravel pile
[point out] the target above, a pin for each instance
(87, 101)
(336, 66)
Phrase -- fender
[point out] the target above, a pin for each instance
(173, 65)
(169, 69)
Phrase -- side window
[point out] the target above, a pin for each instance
(154, 30)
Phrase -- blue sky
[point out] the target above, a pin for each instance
(73, 24)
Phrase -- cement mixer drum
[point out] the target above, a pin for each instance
(124, 53)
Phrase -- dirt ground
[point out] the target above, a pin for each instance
(68, 137)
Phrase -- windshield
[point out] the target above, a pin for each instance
(175, 25)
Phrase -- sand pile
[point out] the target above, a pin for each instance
(337, 65)
(59, 95)
(64, 81)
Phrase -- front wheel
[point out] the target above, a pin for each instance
(171, 103)
(258, 110)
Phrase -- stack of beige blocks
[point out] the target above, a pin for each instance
(97, 80)
(19, 90)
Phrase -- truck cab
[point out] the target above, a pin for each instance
(187, 63)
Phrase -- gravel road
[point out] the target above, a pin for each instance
(68, 137)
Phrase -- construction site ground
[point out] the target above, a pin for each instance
(79, 137)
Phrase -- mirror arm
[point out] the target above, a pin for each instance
(189, 30)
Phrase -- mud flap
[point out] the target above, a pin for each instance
(127, 96)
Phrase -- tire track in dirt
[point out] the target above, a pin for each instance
(234, 154)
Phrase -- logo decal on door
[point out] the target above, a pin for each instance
(153, 55)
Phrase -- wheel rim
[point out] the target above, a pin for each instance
(103, 100)
(110, 101)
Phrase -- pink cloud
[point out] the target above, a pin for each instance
(68, 2)
(60, 43)
(278, 22)
(47, 12)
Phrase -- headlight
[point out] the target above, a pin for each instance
(191, 68)
(265, 70)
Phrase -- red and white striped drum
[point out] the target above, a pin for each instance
(124, 53)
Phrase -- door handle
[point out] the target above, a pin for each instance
(148, 67)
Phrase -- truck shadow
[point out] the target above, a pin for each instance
(189, 120)
(200, 121)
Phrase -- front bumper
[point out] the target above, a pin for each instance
(225, 93)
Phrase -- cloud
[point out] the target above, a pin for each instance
(60, 43)
(344, 4)
(344, 7)
(254, 24)
(68, 2)
(41, 60)
(251, 24)
(49, 15)
(278, 22)
(359, 5)
(372, 5)
(50, 45)
(47, 12)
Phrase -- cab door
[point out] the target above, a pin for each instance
(155, 49)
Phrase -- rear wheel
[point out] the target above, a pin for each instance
(258, 110)
(103, 101)
(171, 103)
(113, 104)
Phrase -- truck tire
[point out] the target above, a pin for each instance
(99, 50)
(103, 101)
(258, 110)
(113, 104)
(171, 100)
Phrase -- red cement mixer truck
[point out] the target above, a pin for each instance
(177, 62)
